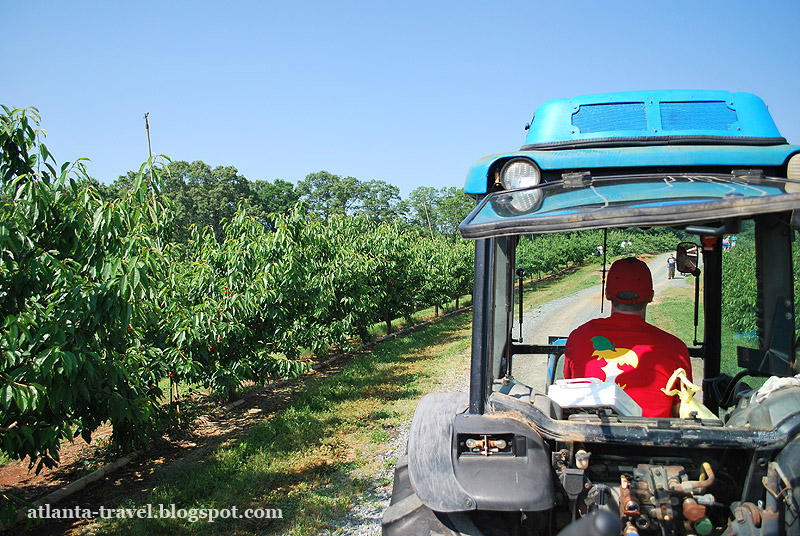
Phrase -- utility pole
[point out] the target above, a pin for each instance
(149, 150)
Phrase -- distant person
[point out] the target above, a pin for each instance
(671, 266)
(624, 348)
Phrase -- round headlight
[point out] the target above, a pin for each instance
(793, 169)
(519, 173)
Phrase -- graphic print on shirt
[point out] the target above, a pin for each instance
(611, 360)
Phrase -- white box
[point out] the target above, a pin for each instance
(590, 393)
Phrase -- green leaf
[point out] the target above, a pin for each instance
(136, 278)
(98, 219)
(6, 396)
(70, 362)
(21, 398)
(601, 343)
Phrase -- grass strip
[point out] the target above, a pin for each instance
(673, 311)
(570, 281)
(312, 458)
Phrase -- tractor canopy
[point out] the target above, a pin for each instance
(624, 133)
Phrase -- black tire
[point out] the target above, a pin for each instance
(408, 516)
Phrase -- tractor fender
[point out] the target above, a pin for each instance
(450, 476)
(430, 448)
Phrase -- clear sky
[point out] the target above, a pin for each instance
(406, 92)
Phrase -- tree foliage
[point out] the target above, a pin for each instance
(739, 286)
(75, 273)
(200, 195)
(545, 254)
(276, 197)
(327, 195)
(438, 211)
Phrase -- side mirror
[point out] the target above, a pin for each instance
(687, 258)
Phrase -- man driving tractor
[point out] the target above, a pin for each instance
(624, 348)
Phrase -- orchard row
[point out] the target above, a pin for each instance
(101, 313)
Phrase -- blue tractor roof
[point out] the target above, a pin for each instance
(643, 115)
(646, 129)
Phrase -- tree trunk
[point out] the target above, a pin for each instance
(388, 324)
(363, 333)
(436, 310)
(456, 301)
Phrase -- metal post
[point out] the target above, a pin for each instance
(149, 150)
(480, 377)
(603, 284)
(425, 206)
(712, 292)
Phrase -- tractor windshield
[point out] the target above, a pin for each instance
(649, 200)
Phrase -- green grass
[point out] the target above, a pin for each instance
(314, 457)
(673, 311)
(574, 279)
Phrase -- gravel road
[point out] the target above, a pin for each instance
(558, 317)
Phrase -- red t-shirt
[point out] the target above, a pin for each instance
(636, 355)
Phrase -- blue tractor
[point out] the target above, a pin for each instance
(505, 458)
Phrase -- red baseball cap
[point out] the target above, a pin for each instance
(632, 275)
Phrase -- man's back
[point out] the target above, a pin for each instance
(636, 355)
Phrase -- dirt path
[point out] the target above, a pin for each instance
(559, 317)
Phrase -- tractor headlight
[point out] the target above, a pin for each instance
(793, 169)
(519, 173)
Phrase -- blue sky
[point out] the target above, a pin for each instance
(406, 92)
